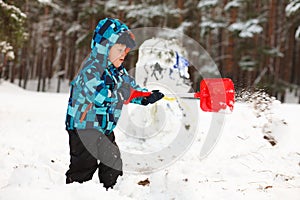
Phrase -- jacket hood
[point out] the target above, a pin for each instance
(109, 32)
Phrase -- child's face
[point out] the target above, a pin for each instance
(117, 54)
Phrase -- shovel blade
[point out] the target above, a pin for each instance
(216, 94)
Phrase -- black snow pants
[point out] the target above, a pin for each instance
(87, 147)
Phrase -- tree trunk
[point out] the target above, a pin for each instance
(72, 56)
(180, 6)
(93, 18)
(44, 69)
(296, 62)
(28, 64)
(72, 46)
(13, 69)
(229, 61)
(5, 68)
(45, 63)
(34, 50)
(22, 68)
(271, 40)
(39, 70)
(288, 46)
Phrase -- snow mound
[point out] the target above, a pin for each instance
(34, 156)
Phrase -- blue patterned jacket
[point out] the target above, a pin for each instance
(94, 101)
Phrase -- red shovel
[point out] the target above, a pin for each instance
(215, 94)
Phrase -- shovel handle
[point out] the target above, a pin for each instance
(135, 94)
(197, 95)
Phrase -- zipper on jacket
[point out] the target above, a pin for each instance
(85, 112)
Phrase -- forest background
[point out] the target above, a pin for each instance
(254, 42)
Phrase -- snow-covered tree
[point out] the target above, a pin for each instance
(256, 43)
(293, 7)
(12, 36)
(12, 29)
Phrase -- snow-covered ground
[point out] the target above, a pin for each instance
(34, 156)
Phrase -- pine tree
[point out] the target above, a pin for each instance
(12, 36)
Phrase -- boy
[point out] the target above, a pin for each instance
(96, 99)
